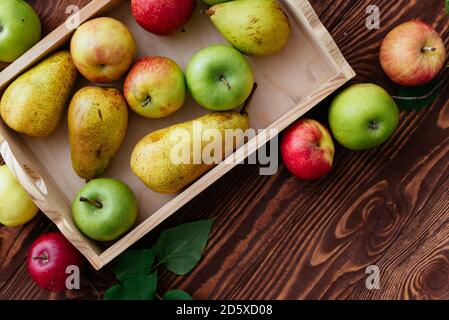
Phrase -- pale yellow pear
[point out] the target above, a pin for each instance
(153, 162)
(254, 27)
(98, 120)
(33, 104)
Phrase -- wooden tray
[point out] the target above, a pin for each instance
(290, 83)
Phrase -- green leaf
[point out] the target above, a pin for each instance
(417, 92)
(133, 263)
(447, 6)
(177, 295)
(116, 292)
(141, 288)
(181, 248)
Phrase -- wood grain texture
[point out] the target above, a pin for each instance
(276, 237)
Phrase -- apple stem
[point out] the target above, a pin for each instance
(429, 49)
(146, 102)
(250, 98)
(92, 202)
(226, 82)
(43, 256)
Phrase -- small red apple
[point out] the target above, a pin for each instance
(308, 150)
(412, 54)
(162, 17)
(48, 259)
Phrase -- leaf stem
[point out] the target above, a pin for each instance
(158, 296)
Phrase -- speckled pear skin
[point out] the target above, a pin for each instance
(98, 120)
(33, 104)
(151, 160)
(255, 28)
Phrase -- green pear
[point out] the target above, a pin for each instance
(33, 104)
(98, 120)
(155, 158)
(256, 28)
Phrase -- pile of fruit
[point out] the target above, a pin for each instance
(219, 78)
(365, 116)
(102, 50)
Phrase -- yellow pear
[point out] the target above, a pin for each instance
(98, 120)
(254, 27)
(33, 104)
(166, 160)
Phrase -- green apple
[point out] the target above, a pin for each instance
(16, 206)
(104, 209)
(20, 29)
(219, 78)
(363, 116)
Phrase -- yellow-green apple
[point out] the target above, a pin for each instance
(162, 17)
(16, 206)
(103, 49)
(308, 150)
(155, 87)
(104, 209)
(20, 29)
(412, 54)
(219, 77)
(48, 259)
(363, 116)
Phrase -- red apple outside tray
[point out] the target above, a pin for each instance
(289, 84)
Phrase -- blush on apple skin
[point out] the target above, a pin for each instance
(48, 259)
(162, 17)
(308, 150)
(412, 54)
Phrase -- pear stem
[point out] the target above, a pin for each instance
(248, 101)
(226, 82)
(428, 49)
(207, 12)
(92, 202)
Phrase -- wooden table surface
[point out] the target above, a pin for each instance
(279, 238)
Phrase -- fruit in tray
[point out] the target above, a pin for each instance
(97, 120)
(20, 29)
(162, 17)
(363, 116)
(412, 54)
(155, 87)
(219, 78)
(104, 209)
(168, 160)
(33, 104)
(255, 28)
(16, 206)
(103, 49)
(308, 150)
(48, 260)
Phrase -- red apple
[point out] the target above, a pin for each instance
(162, 17)
(103, 49)
(155, 87)
(48, 258)
(412, 54)
(308, 150)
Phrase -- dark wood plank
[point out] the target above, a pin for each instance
(276, 237)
